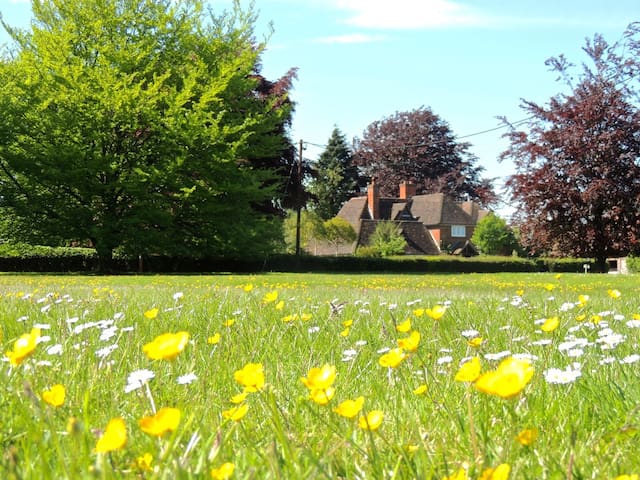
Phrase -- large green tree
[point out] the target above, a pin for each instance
(143, 125)
(336, 177)
(493, 236)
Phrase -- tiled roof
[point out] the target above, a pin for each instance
(354, 210)
(419, 240)
(439, 209)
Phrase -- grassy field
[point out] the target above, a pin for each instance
(521, 376)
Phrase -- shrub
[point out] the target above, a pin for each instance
(387, 239)
(633, 264)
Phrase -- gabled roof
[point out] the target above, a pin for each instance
(431, 209)
(439, 209)
(354, 210)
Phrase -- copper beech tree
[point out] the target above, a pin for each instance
(420, 147)
(577, 180)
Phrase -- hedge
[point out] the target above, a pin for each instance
(24, 258)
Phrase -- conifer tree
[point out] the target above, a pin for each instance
(336, 177)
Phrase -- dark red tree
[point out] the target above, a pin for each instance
(419, 146)
(577, 181)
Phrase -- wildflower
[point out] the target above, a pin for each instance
(631, 358)
(137, 379)
(236, 413)
(392, 358)
(557, 376)
(549, 287)
(223, 472)
(270, 297)
(114, 436)
(371, 421)
(469, 371)
(106, 351)
(54, 349)
(54, 396)
(177, 296)
(187, 379)
(143, 462)
(305, 317)
(550, 324)
(347, 323)
(404, 327)
(613, 293)
(444, 360)
(527, 436)
(461, 474)
(436, 312)
(239, 398)
(345, 332)
(627, 477)
(151, 314)
(582, 300)
(229, 322)
(475, 342)
(411, 342)
(350, 408)
(248, 287)
(508, 380)
(320, 378)
(23, 347)
(471, 333)
(214, 339)
(322, 396)
(501, 472)
(251, 377)
(166, 346)
(165, 420)
(420, 390)
(418, 312)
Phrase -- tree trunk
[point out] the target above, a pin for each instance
(105, 259)
(601, 264)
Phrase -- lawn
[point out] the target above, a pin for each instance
(295, 376)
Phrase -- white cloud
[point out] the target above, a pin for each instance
(350, 38)
(409, 14)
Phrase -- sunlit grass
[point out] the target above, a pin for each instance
(251, 394)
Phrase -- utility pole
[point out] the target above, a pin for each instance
(299, 199)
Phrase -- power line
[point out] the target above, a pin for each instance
(459, 137)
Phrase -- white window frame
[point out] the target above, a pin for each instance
(458, 231)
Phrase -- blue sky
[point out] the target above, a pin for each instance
(469, 61)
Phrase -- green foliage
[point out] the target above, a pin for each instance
(493, 236)
(366, 251)
(633, 263)
(387, 239)
(123, 124)
(337, 231)
(311, 229)
(336, 177)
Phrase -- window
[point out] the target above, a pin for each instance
(458, 231)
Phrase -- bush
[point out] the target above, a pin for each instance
(387, 239)
(367, 252)
(633, 264)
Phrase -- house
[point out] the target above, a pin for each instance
(430, 223)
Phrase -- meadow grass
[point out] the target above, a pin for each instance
(582, 402)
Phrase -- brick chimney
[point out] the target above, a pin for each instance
(407, 190)
(373, 199)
